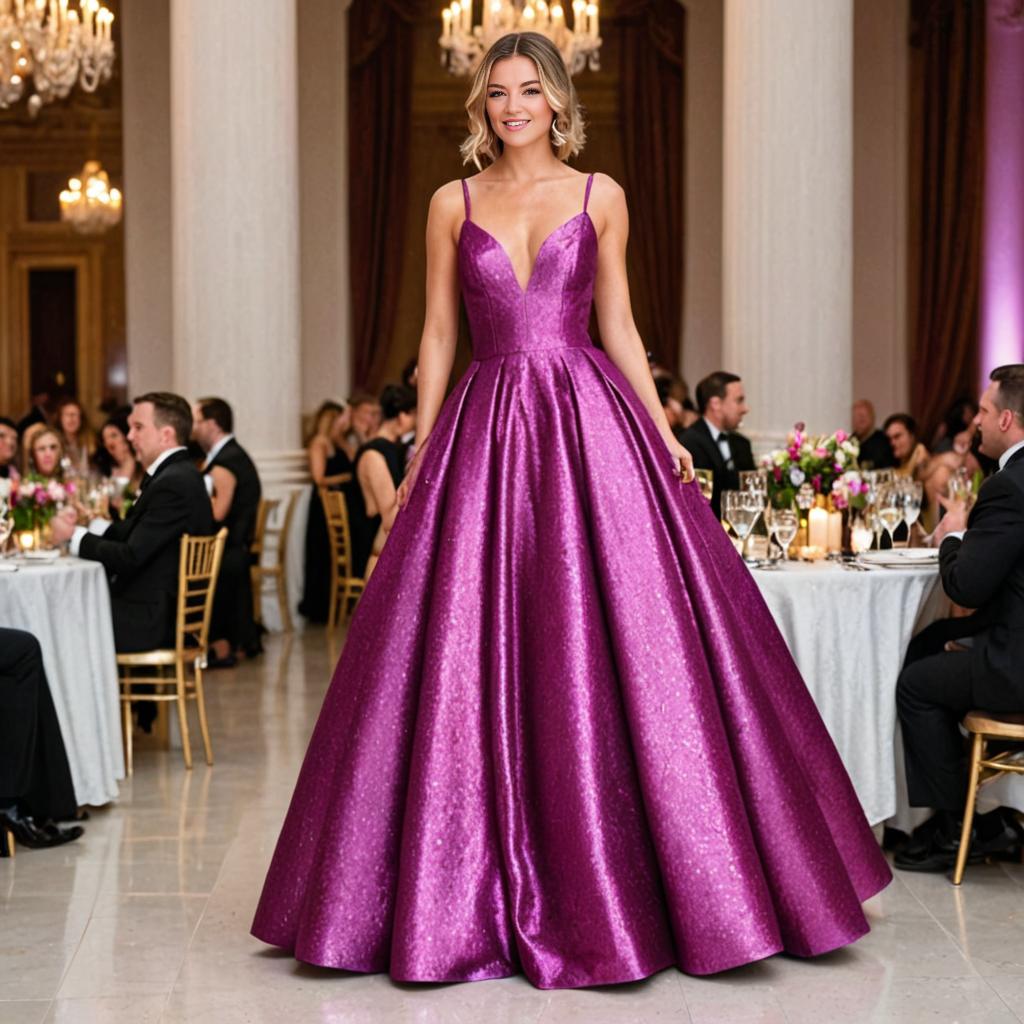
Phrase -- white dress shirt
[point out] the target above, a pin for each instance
(99, 525)
(210, 456)
(718, 436)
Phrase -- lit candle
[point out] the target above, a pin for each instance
(817, 528)
(861, 538)
(446, 21)
(578, 7)
(592, 20)
(835, 531)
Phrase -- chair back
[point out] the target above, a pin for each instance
(336, 514)
(198, 568)
(284, 531)
(264, 511)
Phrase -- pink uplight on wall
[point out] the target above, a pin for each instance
(1002, 273)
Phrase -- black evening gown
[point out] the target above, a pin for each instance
(316, 590)
(364, 527)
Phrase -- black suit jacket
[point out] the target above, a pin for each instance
(707, 455)
(141, 553)
(985, 571)
(241, 517)
(876, 452)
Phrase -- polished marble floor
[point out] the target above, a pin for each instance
(146, 918)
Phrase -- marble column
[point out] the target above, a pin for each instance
(1002, 275)
(234, 132)
(146, 74)
(787, 211)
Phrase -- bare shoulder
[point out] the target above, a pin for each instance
(607, 204)
(448, 198)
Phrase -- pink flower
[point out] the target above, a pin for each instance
(800, 427)
(821, 453)
(841, 436)
(839, 501)
(778, 474)
(816, 483)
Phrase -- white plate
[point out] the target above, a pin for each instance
(901, 558)
(47, 555)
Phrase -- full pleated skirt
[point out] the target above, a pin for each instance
(564, 737)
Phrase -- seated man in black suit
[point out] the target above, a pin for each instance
(875, 450)
(141, 553)
(234, 486)
(35, 780)
(982, 564)
(712, 440)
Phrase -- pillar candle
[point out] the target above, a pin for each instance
(835, 531)
(817, 528)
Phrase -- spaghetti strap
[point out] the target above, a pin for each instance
(465, 195)
(586, 196)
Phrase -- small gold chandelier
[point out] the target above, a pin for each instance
(89, 204)
(55, 47)
(463, 43)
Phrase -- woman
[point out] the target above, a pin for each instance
(565, 736)
(117, 462)
(365, 419)
(330, 465)
(380, 466)
(76, 436)
(43, 453)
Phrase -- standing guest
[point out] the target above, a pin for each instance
(8, 449)
(981, 559)
(365, 409)
(379, 467)
(35, 779)
(76, 435)
(38, 413)
(235, 491)
(116, 460)
(713, 441)
(42, 452)
(330, 465)
(140, 554)
(875, 450)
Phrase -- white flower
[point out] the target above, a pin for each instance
(797, 476)
(780, 458)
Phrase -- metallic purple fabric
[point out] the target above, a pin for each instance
(564, 736)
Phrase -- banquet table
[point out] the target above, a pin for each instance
(848, 632)
(66, 605)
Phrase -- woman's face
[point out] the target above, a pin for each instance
(46, 454)
(341, 425)
(70, 419)
(515, 104)
(365, 418)
(902, 441)
(116, 444)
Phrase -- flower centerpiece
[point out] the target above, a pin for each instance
(35, 501)
(828, 464)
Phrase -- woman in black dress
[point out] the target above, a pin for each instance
(330, 465)
(379, 468)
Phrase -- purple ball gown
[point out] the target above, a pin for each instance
(564, 736)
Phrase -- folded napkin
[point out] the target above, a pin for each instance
(6, 566)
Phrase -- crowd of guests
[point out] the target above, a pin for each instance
(186, 472)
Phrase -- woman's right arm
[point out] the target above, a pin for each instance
(440, 321)
(318, 461)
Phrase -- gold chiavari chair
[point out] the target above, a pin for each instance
(278, 569)
(983, 726)
(177, 674)
(345, 588)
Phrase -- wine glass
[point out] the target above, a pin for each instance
(741, 510)
(913, 493)
(706, 482)
(890, 509)
(783, 524)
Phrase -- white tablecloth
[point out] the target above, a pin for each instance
(66, 605)
(848, 633)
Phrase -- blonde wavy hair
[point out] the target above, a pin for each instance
(567, 129)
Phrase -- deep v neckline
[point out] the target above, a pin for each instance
(540, 252)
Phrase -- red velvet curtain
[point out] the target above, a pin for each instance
(651, 51)
(381, 45)
(947, 177)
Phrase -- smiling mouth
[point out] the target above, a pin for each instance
(516, 125)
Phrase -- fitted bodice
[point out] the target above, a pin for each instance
(552, 311)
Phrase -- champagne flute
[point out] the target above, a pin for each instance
(913, 493)
(741, 511)
(890, 510)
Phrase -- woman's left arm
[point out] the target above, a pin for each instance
(619, 335)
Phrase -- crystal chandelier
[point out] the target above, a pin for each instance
(55, 46)
(463, 43)
(89, 204)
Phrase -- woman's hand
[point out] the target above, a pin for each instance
(684, 460)
(409, 481)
